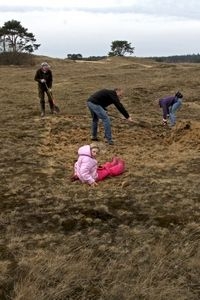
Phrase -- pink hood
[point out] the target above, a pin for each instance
(84, 150)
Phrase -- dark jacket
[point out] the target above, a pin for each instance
(165, 103)
(44, 75)
(105, 98)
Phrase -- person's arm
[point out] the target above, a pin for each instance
(94, 184)
(37, 76)
(165, 111)
(120, 107)
(85, 172)
(123, 111)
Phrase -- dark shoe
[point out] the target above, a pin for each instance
(53, 111)
(109, 142)
(94, 139)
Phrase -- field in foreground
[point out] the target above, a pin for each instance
(132, 237)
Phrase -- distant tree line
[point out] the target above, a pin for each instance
(75, 56)
(118, 48)
(93, 58)
(189, 58)
(80, 57)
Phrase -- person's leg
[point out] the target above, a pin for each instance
(110, 164)
(172, 112)
(50, 100)
(102, 173)
(102, 114)
(94, 127)
(42, 101)
(118, 169)
(114, 168)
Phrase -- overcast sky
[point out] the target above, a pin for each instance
(88, 27)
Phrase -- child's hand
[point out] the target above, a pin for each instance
(94, 184)
(130, 120)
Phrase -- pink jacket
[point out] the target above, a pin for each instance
(86, 166)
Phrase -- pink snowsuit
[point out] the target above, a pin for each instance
(87, 170)
(86, 166)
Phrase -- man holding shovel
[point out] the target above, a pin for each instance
(44, 78)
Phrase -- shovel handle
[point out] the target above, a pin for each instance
(56, 108)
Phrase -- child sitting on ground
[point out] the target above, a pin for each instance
(86, 167)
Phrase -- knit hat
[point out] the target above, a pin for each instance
(94, 145)
(178, 95)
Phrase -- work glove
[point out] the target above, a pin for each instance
(42, 80)
(164, 122)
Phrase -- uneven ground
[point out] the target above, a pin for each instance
(133, 237)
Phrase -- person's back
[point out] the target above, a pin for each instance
(166, 101)
(104, 97)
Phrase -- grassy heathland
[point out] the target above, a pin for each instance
(133, 237)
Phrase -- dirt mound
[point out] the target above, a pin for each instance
(186, 134)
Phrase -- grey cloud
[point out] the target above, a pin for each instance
(183, 8)
(158, 8)
(23, 9)
(161, 8)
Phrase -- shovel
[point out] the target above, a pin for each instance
(49, 92)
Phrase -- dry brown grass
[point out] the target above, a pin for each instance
(133, 237)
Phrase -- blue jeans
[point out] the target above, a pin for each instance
(97, 113)
(172, 111)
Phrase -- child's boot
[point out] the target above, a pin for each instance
(118, 169)
(110, 164)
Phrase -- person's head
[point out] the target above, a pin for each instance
(178, 95)
(45, 66)
(94, 148)
(119, 92)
